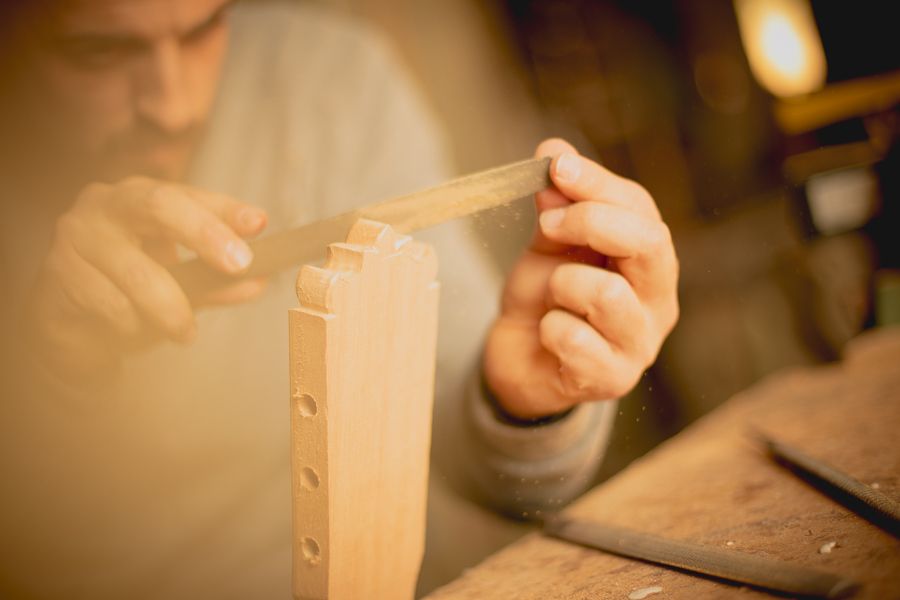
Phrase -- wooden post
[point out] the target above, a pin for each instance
(362, 354)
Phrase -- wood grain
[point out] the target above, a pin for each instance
(362, 354)
(713, 485)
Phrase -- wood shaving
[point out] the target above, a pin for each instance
(642, 593)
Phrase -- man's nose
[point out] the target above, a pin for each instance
(162, 95)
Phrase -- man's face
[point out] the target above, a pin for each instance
(123, 87)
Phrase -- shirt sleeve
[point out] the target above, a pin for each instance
(529, 470)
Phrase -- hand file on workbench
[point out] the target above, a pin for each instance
(743, 568)
(865, 501)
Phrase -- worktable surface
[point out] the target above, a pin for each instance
(711, 484)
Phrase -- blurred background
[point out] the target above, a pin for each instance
(765, 129)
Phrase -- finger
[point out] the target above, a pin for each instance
(520, 370)
(165, 252)
(589, 367)
(170, 211)
(245, 219)
(551, 197)
(85, 290)
(554, 147)
(548, 200)
(642, 246)
(524, 292)
(242, 291)
(606, 300)
(149, 286)
(583, 180)
(93, 293)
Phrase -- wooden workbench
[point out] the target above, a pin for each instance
(711, 484)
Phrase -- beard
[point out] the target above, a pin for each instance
(50, 176)
(148, 151)
(51, 152)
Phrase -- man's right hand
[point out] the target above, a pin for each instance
(103, 288)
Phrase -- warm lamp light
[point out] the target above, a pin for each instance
(782, 44)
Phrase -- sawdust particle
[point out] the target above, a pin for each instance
(641, 593)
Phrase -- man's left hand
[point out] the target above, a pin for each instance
(586, 308)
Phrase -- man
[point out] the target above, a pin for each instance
(144, 438)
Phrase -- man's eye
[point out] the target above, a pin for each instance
(198, 34)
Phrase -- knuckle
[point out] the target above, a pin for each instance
(168, 306)
(91, 198)
(597, 216)
(675, 314)
(67, 227)
(72, 298)
(575, 341)
(638, 192)
(657, 238)
(620, 386)
(612, 292)
(619, 381)
(159, 200)
(586, 381)
(128, 324)
(169, 310)
(584, 216)
(613, 378)
(135, 276)
(93, 191)
(179, 321)
(209, 232)
(137, 187)
(545, 331)
(116, 308)
(647, 353)
(589, 213)
(574, 384)
(129, 327)
(670, 315)
(643, 349)
(133, 181)
(57, 260)
(559, 283)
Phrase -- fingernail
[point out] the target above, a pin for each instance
(251, 218)
(568, 167)
(552, 219)
(239, 255)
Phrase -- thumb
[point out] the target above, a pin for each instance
(551, 197)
